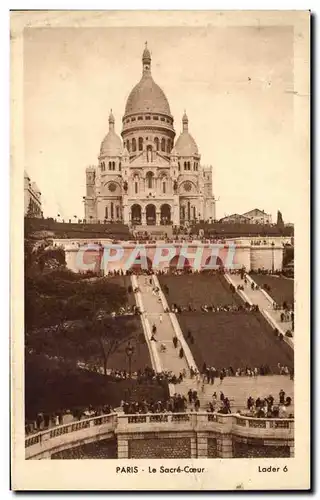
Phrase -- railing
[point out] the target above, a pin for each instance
(69, 434)
(48, 438)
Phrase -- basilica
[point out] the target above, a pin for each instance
(147, 177)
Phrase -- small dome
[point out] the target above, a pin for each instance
(186, 145)
(111, 144)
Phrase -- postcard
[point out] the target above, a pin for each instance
(160, 245)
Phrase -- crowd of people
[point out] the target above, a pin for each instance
(210, 373)
(47, 420)
(175, 404)
(145, 376)
(266, 407)
(206, 308)
(219, 405)
(126, 310)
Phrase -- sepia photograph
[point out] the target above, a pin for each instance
(160, 326)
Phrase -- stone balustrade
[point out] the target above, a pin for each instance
(126, 427)
(42, 444)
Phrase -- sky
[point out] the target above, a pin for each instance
(235, 83)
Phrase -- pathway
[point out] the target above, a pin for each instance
(153, 308)
(259, 297)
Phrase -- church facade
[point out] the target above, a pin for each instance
(146, 177)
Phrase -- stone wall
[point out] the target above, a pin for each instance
(251, 257)
(256, 449)
(160, 447)
(106, 448)
(212, 448)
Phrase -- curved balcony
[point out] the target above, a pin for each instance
(63, 437)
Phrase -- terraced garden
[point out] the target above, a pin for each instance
(237, 339)
(224, 339)
(281, 289)
(199, 289)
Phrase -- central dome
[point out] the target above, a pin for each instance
(147, 96)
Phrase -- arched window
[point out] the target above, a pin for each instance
(163, 144)
(194, 212)
(118, 212)
(179, 166)
(156, 142)
(119, 165)
(188, 165)
(106, 215)
(113, 165)
(128, 146)
(134, 145)
(185, 165)
(140, 144)
(136, 188)
(111, 210)
(168, 146)
(103, 166)
(164, 187)
(149, 180)
(109, 165)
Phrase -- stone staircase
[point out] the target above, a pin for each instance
(237, 389)
(153, 310)
(260, 298)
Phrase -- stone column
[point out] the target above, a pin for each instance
(126, 214)
(143, 217)
(123, 447)
(202, 445)
(158, 215)
(193, 446)
(213, 213)
(225, 446)
(175, 214)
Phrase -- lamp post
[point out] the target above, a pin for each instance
(129, 353)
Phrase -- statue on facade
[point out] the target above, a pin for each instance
(175, 186)
(125, 186)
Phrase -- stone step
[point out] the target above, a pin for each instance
(238, 389)
(169, 359)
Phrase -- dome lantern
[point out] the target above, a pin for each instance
(185, 122)
(146, 60)
(111, 121)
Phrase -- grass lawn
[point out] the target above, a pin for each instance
(234, 339)
(282, 289)
(199, 289)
